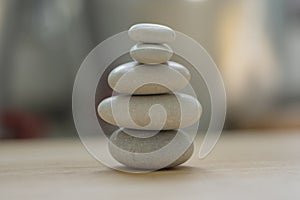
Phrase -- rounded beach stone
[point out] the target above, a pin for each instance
(151, 53)
(151, 112)
(135, 78)
(157, 151)
(151, 33)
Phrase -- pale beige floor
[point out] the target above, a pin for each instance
(251, 165)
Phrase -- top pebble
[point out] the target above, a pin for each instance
(151, 33)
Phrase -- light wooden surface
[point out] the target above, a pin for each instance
(242, 166)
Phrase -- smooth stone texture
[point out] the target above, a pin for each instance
(150, 153)
(135, 78)
(151, 53)
(151, 33)
(167, 111)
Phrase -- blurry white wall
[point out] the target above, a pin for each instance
(255, 43)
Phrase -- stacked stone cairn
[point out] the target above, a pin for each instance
(148, 109)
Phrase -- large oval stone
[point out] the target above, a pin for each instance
(162, 150)
(135, 78)
(151, 53)
(151, 33)
(151, 112)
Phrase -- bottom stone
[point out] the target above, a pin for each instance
(147, 150)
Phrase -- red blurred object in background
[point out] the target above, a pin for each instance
(22, 125)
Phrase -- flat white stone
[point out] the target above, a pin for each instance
(135, 78)
(163, 150)
(151, 112)
(151, 33)
(151, 53)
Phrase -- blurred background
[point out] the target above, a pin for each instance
(255, 43)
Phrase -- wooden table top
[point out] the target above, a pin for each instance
(244, 165)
